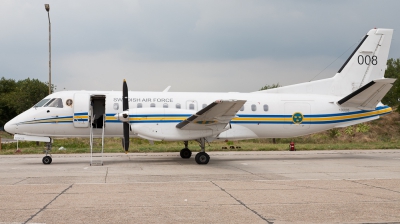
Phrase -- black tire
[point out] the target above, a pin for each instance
(47, 160)
(202, 158)
(186, 153)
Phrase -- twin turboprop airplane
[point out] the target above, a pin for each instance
(352, 96)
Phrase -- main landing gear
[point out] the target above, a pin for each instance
(202, 157)
(185, 152)
(47, 159)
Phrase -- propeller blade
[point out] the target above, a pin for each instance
(126, 136)
(125, 105)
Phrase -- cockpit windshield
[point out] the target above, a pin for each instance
(42, 102)
(53, 102)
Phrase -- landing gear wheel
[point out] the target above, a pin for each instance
(186, 153)
(202, 158)
(47, 160)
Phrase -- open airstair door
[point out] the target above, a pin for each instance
(97, 120)
(98, 110)
(81, 106)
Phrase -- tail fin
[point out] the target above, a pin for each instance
(365, 64)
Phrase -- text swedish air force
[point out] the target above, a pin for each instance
(153, 100)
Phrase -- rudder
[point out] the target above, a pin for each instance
(366, 63)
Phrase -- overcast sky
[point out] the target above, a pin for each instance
(218, 46)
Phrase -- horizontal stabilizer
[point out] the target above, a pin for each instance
(218, 113)
(369, 95)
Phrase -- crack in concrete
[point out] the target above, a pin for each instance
(243, 204)
(44, 207)
(374, 186)
(249, 172)
(20, 181)
(105, 178)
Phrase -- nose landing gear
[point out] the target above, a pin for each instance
(47, 159)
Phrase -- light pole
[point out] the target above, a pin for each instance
(47, 7)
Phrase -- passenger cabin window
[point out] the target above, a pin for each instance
(191, 106)
(242, 109)
(204, 105)
(253, 107)
(165, 105)
(139, 105)
(178, 106)
(265, 107)
(152, 105)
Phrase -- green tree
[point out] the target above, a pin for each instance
(7, 86)
(16, 97)
(270, 86)
(27, 93)
(393, 71)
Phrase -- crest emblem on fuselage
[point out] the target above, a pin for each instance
(69, 102)
(297, 118)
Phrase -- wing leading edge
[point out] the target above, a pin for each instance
(215, 115)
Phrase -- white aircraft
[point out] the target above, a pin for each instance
(352, 96)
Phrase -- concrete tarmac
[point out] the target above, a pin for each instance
(235, 187)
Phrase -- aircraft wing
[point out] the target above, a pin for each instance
(368, 96)
(216, 115)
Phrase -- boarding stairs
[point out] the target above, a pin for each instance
(96, 145)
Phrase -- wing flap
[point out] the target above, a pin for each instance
(216, 115)
(368, 96)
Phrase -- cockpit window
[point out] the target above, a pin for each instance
(54, 102)
(42, 102)
(48, 103)
(57, 102)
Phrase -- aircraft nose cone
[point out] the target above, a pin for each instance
(10, 128)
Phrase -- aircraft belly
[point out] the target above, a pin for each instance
(251, 131)
(237, 132)
(168, 132)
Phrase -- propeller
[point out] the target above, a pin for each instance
(125, 108)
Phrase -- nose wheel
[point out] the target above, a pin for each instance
(47, 160)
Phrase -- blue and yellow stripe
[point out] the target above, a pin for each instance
(311, 119)
(62, 119)
(240, 119)
(83, 116)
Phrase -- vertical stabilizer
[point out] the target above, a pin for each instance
(366, 63)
